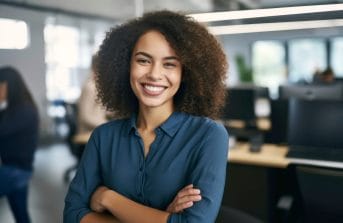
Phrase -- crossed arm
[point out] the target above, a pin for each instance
(110, 207)
(87, 201)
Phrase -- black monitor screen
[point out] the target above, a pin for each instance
(317, 123)
(240, 104)
(312, 92)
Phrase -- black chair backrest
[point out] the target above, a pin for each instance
(71, 120)
(321, 193)
(231, 215)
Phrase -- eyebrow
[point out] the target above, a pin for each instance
(149, 56)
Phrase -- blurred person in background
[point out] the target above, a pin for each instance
(90, 111)
(328, 76)
(84, 117)
(18, 141)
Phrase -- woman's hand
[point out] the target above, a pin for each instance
(97, 198)
(184, 199)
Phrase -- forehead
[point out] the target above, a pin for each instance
(155, 43)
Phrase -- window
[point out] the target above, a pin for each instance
(306, 56)
(268, 63)
(337, 56)
(69, 46)
(62, 60)
(14, 34)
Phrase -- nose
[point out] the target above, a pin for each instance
(155, 72)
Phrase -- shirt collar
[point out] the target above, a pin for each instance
(170, 126)
(173, 123)
(132, 123)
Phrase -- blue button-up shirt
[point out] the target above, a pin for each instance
(187, 149)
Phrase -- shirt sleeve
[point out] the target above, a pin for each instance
(86, 180)
(209, 176)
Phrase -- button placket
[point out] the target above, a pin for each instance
(141, 170)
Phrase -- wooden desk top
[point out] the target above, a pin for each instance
(269, 156)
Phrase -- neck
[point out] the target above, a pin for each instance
(150, 119)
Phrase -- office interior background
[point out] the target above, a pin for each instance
(267, 44)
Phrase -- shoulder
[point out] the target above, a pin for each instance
(212, 136)
(211, 126)
(112, 126)
(107, 133)
(25, 110)
(204, 130)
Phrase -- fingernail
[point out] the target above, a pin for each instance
(197, 191)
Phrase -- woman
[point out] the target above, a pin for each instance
(165, 161)
(18, 140)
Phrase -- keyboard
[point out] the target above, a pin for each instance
(315, 153)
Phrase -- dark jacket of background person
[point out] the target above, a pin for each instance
(18, 123)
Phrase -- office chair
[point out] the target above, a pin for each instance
(319, 193)
(76, 150)
(231, 215)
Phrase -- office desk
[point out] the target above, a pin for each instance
(269, 156)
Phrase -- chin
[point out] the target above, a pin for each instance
(153, 103)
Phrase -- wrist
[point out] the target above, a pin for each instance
(108, 199)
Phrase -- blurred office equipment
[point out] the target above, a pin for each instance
(279, 107)
(315, 129)
(312, 91)
(75, 149)
(240, 116)
(279, 122)
(320, 194)
(232, 215)
(240, 105)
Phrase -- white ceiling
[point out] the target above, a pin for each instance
(124, 9)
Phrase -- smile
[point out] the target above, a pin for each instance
(153, 90)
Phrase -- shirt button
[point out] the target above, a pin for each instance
(141, 169)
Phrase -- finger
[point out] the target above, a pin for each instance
(187, 199)
(179, 205)
(188, 186)
(183, 206)
(188, 191)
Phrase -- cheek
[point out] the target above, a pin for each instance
(176, 79)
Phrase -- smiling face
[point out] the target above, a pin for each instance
(155, 73)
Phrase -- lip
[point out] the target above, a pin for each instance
(152, 89)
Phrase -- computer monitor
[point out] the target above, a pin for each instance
(317, 123)
(312, 92)
(279, 121)
(240, 104)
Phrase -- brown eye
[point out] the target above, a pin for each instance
(143, 61)
(169, 65)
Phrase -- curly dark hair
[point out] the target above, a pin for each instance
(204, 64)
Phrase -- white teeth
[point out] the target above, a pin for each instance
(153, 88)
